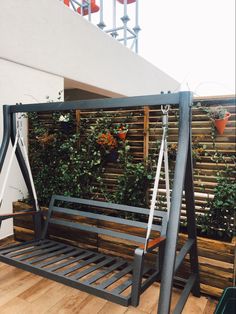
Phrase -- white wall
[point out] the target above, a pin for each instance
(46, 35)
(44, 44)
(21, 84)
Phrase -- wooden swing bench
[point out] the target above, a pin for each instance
(113, 278)
(93, 272)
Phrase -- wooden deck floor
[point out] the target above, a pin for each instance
(25, 293)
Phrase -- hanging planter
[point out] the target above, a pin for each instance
(218, 115)
(120, 131)
(122, 135)
(108, 145)
(65, 123)
(220, 124)
(66, 127)
(112, 156)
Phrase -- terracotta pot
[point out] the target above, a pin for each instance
(94, 8)
(220, 124)
(122, 135)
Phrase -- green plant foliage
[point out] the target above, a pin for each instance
(72, 162)
(220, 218)
(214, 113)
(134, 182)
(72, 159)
(198, 149)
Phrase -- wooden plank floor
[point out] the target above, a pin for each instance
(24, 293)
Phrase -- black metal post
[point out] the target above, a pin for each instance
(191, 220)
(176, 202)
(6, 134)
(137, 276)
(107, 103)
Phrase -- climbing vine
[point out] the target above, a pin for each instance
(73, 162)
(73, 159)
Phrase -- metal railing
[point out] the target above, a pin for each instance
(117, 22)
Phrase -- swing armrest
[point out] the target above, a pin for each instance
(154, 243)
(24, 213)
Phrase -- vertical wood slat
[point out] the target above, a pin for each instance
(77, 117)
(146, 132)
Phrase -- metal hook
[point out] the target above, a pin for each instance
(165, 109)
(19, 121)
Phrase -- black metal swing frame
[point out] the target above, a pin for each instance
(168, 263)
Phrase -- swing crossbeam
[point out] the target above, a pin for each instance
(140, 275)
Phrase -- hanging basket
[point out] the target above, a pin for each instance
(122, 135)
(66, 127)
(112, 156)
(220, 124)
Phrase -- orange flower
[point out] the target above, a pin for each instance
(107, 140)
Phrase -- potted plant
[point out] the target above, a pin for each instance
(108, 144)
(121, 131)
(219, 116)
(66, 123)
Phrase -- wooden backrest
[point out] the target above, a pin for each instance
(113, 220)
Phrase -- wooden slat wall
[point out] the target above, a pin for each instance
(145, 129)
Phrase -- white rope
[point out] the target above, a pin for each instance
(26, 158)
(162, 153)
(9, 168)
(19, 140)
(167, 179)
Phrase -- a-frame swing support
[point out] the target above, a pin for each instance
(183, 182)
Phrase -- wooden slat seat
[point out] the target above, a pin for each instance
(98, 274)
(107, 276)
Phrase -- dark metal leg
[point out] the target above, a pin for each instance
(6, 135)
(161, 256)
(37, 226)
(137, 276)
(191, 222)
(176, 202)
